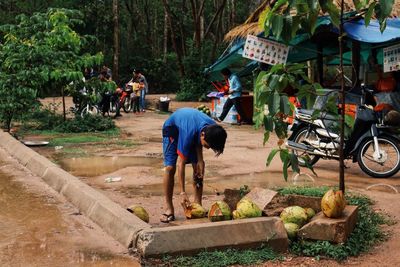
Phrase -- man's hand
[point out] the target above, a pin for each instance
(185, 202)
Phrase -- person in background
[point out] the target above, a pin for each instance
(235, 92)
(139, 78)
(185, 133)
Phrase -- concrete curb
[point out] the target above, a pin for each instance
(187, 239)
(131, 231)
(115, 220)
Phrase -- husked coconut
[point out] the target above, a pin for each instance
(219, 211)
(333, 204)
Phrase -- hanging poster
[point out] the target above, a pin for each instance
(391, 58)
(265, 51)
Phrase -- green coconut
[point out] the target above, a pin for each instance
(219, 211)
(294, 214)
(140, 212)
(246, 209)
(310, 213)
(291, 230)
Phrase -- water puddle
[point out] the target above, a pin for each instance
(33, 232)
(98, 165)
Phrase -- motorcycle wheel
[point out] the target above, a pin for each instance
(389, 162)
(299, 137)
(127, 105)
(92, 110)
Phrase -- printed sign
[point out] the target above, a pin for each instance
(265, 51)
(391, 58)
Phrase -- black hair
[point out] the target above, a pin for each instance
(226, 71)
(215, 136)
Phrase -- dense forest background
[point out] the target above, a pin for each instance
(171, 41)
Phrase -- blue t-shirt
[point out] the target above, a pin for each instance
(186, 124)
(235, 86)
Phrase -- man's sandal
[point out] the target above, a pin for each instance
(166, 218)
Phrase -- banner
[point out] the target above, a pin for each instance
(265, 51)
(391, 58)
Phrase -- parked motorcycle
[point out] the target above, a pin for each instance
(373, 144)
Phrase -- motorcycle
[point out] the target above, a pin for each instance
(373, 144)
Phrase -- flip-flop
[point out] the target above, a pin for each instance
(167, 218)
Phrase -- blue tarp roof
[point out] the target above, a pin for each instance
(372, 34)
(304, 49)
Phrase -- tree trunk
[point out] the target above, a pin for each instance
(63, 103)
(173, 39)
(165, 37)
(342, 96)
(116, 41)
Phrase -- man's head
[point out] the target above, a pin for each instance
(136, 72)
(214, 137)
(226, 72)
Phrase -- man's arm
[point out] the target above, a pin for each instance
(199, 171)
(181, 178)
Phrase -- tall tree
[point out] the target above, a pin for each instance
(116, 45)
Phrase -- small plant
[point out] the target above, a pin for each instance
(226, 258)
(243, 190)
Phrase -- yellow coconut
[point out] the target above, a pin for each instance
(333, 204)
(195, 211)
(140, 212)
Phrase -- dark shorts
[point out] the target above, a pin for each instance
(170, 151)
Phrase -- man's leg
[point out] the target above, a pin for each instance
(227, 106)
(169, 189)
(239, 109)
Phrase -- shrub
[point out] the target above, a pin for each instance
(88, 123)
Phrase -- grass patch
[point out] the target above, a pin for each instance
(226, 258)
(76, 139)
(366, 234)
(73, 151)
(125, 143)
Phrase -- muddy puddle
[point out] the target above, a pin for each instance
(33, 232)
(98, 165)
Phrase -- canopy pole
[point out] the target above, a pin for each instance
(355, 60)
(320, 63)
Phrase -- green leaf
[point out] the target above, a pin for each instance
(277, 25)
(271, 156)
(369, 13)
(268, 123)
(385, 8)
(294, 162)
(274, 103)
(266, 137)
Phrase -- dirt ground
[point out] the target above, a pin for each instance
(243, 163)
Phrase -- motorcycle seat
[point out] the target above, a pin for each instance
(322, 115)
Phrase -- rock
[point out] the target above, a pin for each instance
(261, 197)
(305, 201)
(335, 230)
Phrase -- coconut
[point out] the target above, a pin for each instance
(246, 209)
(195, 211)
(310, 213)
(333, 204)
(140, 212)
(294, 214)
(219, 211)
(291, 230)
